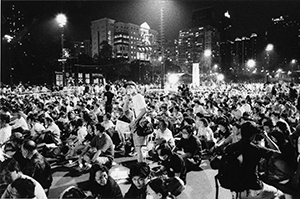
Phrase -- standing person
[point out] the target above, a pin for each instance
(138, 175)
(139, 109)
(108, 97)
(37, 167)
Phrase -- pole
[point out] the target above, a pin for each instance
(62, 55)
(162, 44)
(10, 66)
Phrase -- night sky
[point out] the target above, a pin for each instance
(246, 16)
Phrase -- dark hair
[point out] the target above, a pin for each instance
(11, 165)
(29, 145)
(100, 128)
(205, 122)
(107, 87)
(188, 128)
(5, 118)
(164, 122)
(158, 186)
(79, 122)
(165, 149)
(25, 187)
(141, 169)
(248, 129)
(95, 168)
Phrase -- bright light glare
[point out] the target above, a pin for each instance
(207, 53)
(8, 38)
(269, 47)
(220, 77)
(173, 78)
(216, 66)
(251, 63)
(61, 20)
(279, 70)
(293, 61)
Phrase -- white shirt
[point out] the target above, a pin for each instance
(81, 133)
(37, 129)
(38, 190)
(167, 135)
(5, 134)
(20, 122)
(138, 104)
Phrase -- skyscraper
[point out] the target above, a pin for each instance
(284, 34)
(129, 41)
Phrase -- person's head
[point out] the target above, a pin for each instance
(275, 116)
(4, 119)
(187, 131)
(268, 126)
(249, 130)
(107, 87)
(10, 170)
(283, 126)
(203, 122)
(48, 120)
(100, 174)
(156, 189)
(28, 148)
(22, 188)
(139, 173)
(130, 88)
(99, 129)
(164, 151)
(236, 128)
(223, 125)
(163, 124)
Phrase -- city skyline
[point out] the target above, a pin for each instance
(177, 14)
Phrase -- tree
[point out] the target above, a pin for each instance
(105, 50)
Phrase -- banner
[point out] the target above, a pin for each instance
(196, 73)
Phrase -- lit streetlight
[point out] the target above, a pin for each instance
(269, 47)
(61, 20)
(251, 63)
(207, 53)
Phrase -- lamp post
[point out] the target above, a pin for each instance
(8, 39)
(207, 55)
(61, 19)
(269, 49)
(162, 40)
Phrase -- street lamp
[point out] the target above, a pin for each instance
(8, 39)
(251, 63)
(268, 49)
(61, 19)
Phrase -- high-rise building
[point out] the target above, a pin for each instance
(204, 16)
(245, 48)
(81, 47)
(193, 42)
(129, 41)
(284, 34)
(226, 44)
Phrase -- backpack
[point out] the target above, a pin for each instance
(144, 128)
(230, 172)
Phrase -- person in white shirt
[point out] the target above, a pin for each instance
(163, 133)
(52, 131)
(19, 121)
(12, 171)
(139, 109)
(36, 128)
(5, 128)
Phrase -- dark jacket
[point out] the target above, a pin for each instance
(39, 169)
(110, 190)
(134, 193)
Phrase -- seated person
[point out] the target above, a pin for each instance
(171, 163)
(102, 185)
(138, 175)
(23, 188)
(189, 148)
(100, 150)
(11, 172)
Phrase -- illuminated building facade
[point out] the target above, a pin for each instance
(129, 41)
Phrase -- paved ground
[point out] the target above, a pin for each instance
(200, 184)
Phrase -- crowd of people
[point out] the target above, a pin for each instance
(88, 126)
